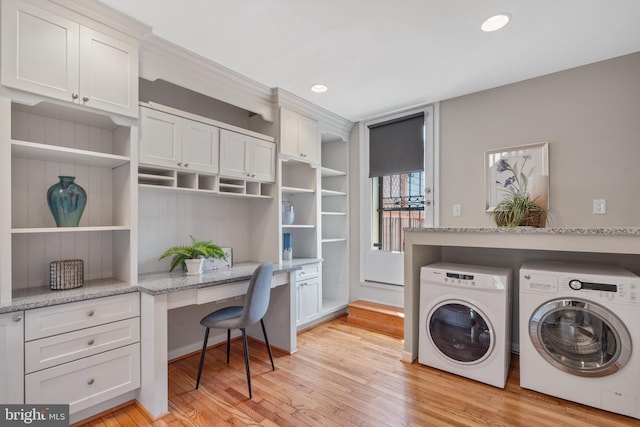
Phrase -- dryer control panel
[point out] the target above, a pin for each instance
(459, 275)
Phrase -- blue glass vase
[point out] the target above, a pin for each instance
(66, 201)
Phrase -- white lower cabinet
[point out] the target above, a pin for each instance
(309, 296)
(12, 357)
(82, 353)
(86, 382)
(51, 351)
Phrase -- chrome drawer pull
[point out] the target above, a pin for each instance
(91, 342)
(85, 98)
(17, 319)
(91, 381)
(91, 313)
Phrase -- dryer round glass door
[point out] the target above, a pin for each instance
(460, 331)
(580, 337)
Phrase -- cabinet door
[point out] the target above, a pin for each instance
(299, 136)
(39, 51)
(263, 162)
(88, 381)
(200, 146)
(108, 73)
(309, 142)
(308, 300)
(12, 356)
(160, 138)
(234, 156)
(289, 132)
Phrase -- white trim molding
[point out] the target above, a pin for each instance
(328, 122)
(105, 15)
(161, 59)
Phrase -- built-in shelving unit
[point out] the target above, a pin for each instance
(299, 185)
(48, 141)
(334, 213)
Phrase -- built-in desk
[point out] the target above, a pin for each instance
(507, 247)
(162, 292)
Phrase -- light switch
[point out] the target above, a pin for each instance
(456, 210)
(599, 206)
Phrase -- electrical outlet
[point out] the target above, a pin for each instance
(599, 206)
(456, 210)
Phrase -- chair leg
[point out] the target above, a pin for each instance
(246, 360)
(266, 340)
(228, 344)
(204, 349)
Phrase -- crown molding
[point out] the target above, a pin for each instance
(105, 15)
(329, 123)
(162, 59)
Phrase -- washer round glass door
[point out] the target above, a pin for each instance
(580, 337)
(460, 331)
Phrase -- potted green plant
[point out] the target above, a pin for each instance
(190, 257)
(517, 208)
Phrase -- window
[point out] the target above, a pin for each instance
(399, 203)
(396, 168)
(397, 187)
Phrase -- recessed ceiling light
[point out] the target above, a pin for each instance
(495, 22)
(319, 88)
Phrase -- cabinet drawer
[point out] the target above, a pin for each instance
(59, 319)
(58, 349)
(86, 382)
(308, 271)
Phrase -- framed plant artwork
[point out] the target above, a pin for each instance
(523, 168)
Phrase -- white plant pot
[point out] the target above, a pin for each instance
(194, 266)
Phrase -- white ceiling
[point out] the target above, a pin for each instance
(378, 56)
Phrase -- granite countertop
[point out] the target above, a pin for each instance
(617, 231)
(153, 284)
(163, 283)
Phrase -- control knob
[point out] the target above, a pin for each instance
(576, 285)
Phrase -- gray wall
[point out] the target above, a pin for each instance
(589, 115)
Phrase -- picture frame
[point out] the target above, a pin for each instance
(534, 158)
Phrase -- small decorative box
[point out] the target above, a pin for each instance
(66, 274)
(211, 264)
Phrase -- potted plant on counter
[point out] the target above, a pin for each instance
(517, 208)
(190, 257)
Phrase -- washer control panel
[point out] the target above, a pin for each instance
(622, 290)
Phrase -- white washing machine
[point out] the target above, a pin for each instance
(578, 328)
(465, 321)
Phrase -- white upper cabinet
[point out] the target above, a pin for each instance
(160, 138)
(200, 146)
(108, 73)
(299, 137)
(54, 56)
(177, 142)
(246, 157)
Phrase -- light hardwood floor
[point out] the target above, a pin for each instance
(346, 376)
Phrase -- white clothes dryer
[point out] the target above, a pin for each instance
(580, 334)
(465, 321)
